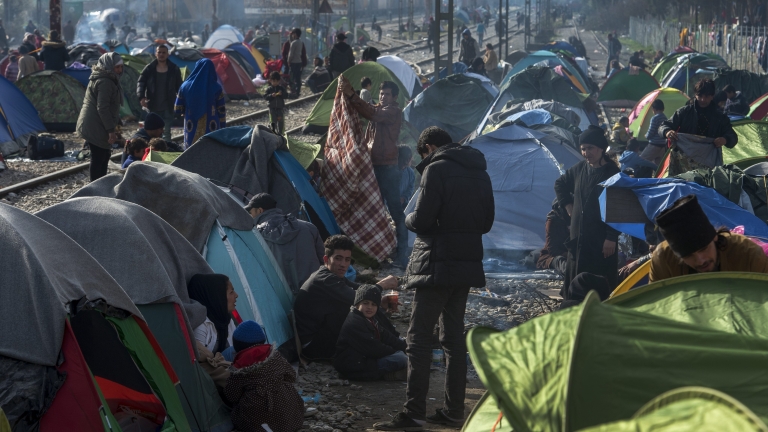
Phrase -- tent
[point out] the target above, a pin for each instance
(166, 259)
(120, 48)
(572, 119)
(665, 64)
(57, 97)
(218, 227)
(136, 63)
(679, 76)
(320, 116)
(437, 106)
(404, 73)
(236, 83)
(131, 103)
(751, 85)
(78, 323)
(641, 114)
(758, 110)
(186, 57)
(18, 117)
(247, 55)
(624, 90)
(223, 37)
(235, 55)
(594, 363)
(261, 57)
(753, 141)
(523, 165)
(458, 67)
(551, 59)
(561, 46)
(82, 74)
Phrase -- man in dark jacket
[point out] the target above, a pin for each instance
(736, 103)
(158, 85)
(320, 78)
(54, 53)
(699, 117)
(69, 33)
(470, 49)
(3, 38)
(614, 50)
(454, 209)
(296, 244)
(322, 304)
(342, 57)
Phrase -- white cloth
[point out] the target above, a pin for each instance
(206, 334)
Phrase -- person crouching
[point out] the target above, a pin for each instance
(365, 350)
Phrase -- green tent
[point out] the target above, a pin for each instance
(758, 110)
(689, 409)
(136, 63)
(305, 153)
(640, 117)
(595, 363)
(753, 141)
(57, 97)
(320, 117)
(163, 157)
(128, 81)
(625, 90)
(665, 65)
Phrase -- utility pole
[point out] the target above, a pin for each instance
(351, 19)
(314, 48)
(501, 28)
(400, 19)
(439, 17)
(54, 15)
(527, 24)
(410, 20)
(506, 33)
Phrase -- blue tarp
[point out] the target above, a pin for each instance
(235, 136)
(458, 67)
(80, 74)
(17, 114)
(120, 49)
(655, 195)
(246, 53)
(532, 117)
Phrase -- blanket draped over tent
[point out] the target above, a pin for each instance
(350, 186)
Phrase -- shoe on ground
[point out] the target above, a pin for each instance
(400, 422)
(440, 417)
(400, 375)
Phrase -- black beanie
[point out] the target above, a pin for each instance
(685, 226)
(368, 292)
(261, 200)
(594, 135)
(153, 122)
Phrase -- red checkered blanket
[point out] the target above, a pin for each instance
(350, 186)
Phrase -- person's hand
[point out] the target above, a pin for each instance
(112, 138)
(719, 142)
(144, 102)
(569, 209)
(672, 135)
(388, 283)
(609, 247)
(628, 269)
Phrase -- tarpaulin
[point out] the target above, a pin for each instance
(700, 149)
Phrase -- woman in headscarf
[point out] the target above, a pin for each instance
(201, 101)
(216, 293)
(100, 114)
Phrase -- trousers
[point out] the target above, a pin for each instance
(388, 177)
(296, 78)
(99, 161)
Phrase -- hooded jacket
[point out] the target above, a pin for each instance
(100, 114)
(341, 57)
(361, 343)
(147, 85)
(296, 245)
(454, 209)
(54, 55)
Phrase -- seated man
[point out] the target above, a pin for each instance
(323, 303)
(295, 244)
(320, 78)
(694, 246)
(736, 103)
(557, 232)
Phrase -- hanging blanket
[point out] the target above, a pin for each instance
(350, 186)
(694, 152)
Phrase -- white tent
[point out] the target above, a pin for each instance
(223, 37)
(403, 72)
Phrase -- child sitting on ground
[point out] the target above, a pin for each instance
(365, 92)
(365, 350)
(135, 151)
(275, 96)
(155, 145)
(247, 335)
(620, 135)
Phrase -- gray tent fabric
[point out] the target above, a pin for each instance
(42, 271)
(700, 149)
(187, 201)
(152, 262)
(249, 168)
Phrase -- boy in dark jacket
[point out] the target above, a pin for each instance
(275, 96)
(365, 350)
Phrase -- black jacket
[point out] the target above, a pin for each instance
(737, 106)
(455, 208)
(341, 57)
(54, 55)
(686, 120)
(146, 87)
(360, 345)
(275, 102)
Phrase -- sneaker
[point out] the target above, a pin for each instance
(400, 422)
(440, 417)
(400, 375)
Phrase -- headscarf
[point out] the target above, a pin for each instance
(105, 67)
(210, 290)
(202, 83)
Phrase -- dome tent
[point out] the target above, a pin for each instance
(640, 117)
(223, 37)
(18, 117)
(623, 89)
(57, 97)
(234, 80)
(404, 73)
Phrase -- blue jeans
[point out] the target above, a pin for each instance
(392, 363)
(388, 177)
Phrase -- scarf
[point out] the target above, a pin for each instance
(200, 90)
(210, 290)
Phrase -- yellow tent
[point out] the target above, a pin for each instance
(260, 60)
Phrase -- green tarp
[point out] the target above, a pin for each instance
(57, 97)
(595, 363)
(753, 140)
(536, 82)
(163, 157)
(751, 85)
(305, 153)
(623, 89)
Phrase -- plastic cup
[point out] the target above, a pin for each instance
(392, 297)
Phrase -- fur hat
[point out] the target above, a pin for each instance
(685, 226)
(594, 135)
(368, 292)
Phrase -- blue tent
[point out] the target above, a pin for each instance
(532, 117)
(120, 48)
(246, 53)
(551, 59)
(655, 195)
(18, 116)
(186, 57)
(561, 46)
(80, 74)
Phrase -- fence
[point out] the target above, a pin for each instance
(740, 46)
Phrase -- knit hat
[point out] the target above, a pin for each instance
(248, 334)
(153, 122)
(262, 200)
(341, 36)
(368, 292)
(685, 226)
(594, 135)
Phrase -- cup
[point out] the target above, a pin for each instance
(391, 297)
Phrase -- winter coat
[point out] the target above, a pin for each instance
(737, 106)
(619, 137)
(383, 132)
(361, 344)
(296, 245)
(686, 120)
(341, 57)
(54, 55)
(275, 101)
(146, 87)
(454, 209)
(264, 393)
(470, 50)
(319, 79)
(27, 66)
(100, 114)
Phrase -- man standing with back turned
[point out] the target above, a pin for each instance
(455, 208)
